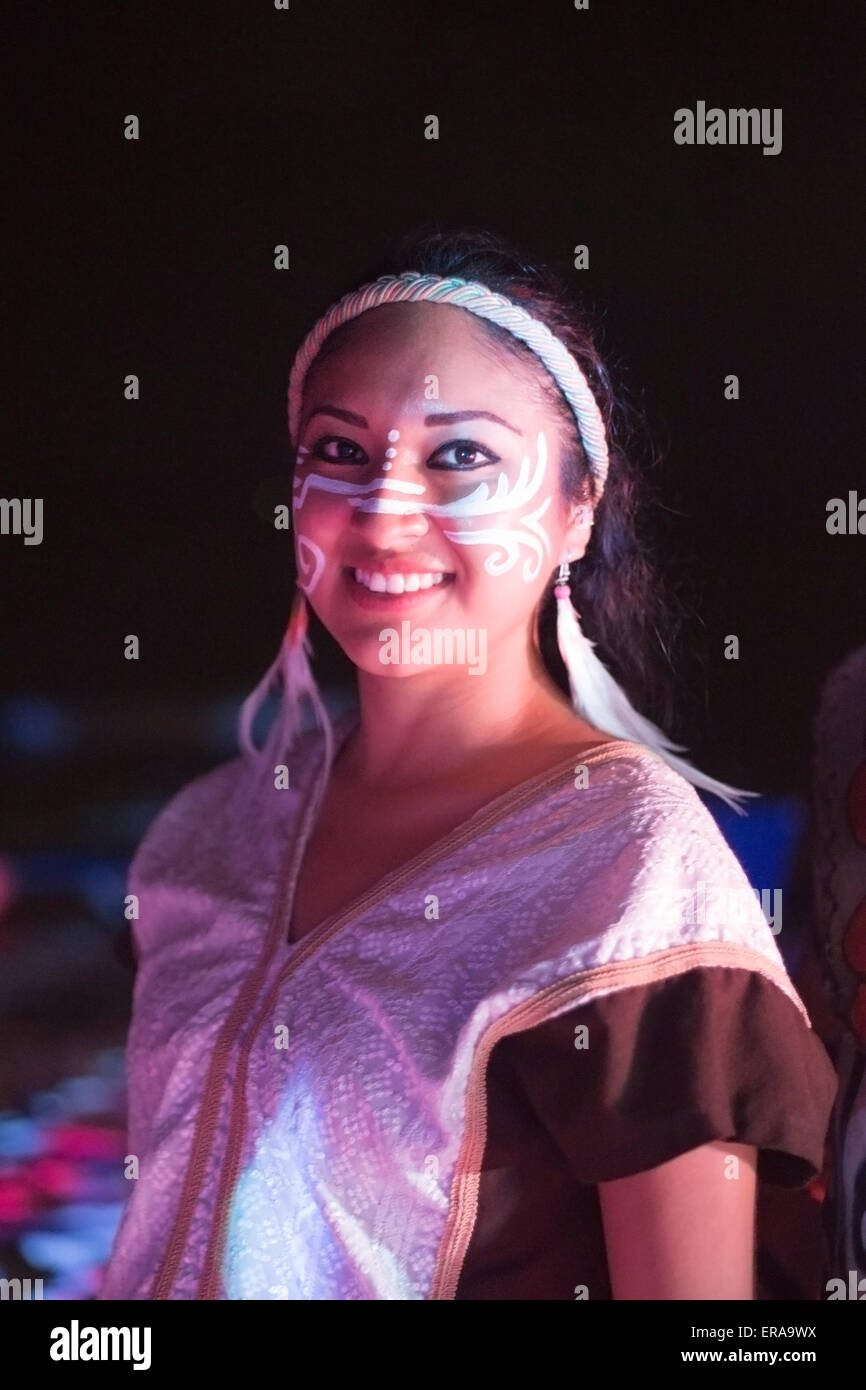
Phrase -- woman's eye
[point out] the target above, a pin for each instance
(345, 450)
(467, 454)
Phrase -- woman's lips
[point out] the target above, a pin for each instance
(392, 603)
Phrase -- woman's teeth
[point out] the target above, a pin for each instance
(397, 583)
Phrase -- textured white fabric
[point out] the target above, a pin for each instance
(358, 1144)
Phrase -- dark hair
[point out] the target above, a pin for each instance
(625, 607)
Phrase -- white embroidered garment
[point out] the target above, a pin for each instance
(309, 1118)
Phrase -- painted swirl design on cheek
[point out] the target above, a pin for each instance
(310, 562)
(508, 540)
(309, 557)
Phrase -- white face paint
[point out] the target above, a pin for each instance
(311, 562)
(509, 539)
(390, 453)
(478, 502)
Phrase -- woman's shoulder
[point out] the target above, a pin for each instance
(633, 763)
(632, 792)
(634, 869)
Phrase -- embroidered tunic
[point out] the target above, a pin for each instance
(311, 1119)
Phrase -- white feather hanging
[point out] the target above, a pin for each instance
(601, 702)
(290, 669)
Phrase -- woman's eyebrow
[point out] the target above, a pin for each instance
(447, 418)
(455, 416)
(348, 415)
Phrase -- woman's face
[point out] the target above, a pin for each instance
(426, 486)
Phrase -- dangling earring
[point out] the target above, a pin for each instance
(577, 652)
(291, 667)
(598, 699)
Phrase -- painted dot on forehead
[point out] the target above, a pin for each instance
(393, 434)
(390, 453)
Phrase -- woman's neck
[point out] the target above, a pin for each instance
(413, 731)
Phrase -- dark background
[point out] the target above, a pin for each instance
(155, 257)
(306, 127)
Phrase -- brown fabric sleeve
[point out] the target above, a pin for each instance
(713, 1054)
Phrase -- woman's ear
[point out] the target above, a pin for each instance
(577, 537)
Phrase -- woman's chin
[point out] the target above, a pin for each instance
(370, 660)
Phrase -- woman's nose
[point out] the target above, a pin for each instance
(391, 509)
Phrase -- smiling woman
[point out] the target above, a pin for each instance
(428, 1022)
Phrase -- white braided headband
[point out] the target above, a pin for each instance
(486, 304)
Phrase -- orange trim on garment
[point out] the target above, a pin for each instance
(662, 965)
